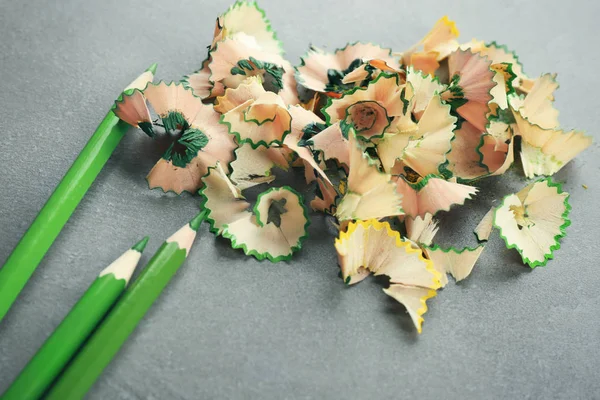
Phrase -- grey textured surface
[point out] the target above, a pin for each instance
(231, 327)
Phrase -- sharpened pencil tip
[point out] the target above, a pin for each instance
(152, 68)
(197, 220)
(141, 245)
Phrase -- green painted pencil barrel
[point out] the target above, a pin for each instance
(21, 264)
(34, 244)
(66, 339)
(97, 353)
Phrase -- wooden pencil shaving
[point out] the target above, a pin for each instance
(388, 138)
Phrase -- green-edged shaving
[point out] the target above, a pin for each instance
(534, 220)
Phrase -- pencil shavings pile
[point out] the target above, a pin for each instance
(389, 139)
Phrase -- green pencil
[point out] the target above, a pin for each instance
(58, 349)
(34, 244)
(97, 353)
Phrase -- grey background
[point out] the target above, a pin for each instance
(231, 327)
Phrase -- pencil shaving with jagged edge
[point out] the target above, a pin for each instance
(264, 121)
(248, 18)
(198, 139)
(534, 220)
(421, 230)
(222, 199)
(424, 88)
(237, 57)
(457, 262)
(469, 90)
(483, 230)
(378, 135)
(367, 110)
(374, 247)
(325, 72)
(431, 194)
(305, 124)
(371, 193)
(274, 229)
(413, 298)
(422, 147)
(546, 151)
(434, 47)
(253, 167)
(332, 144)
